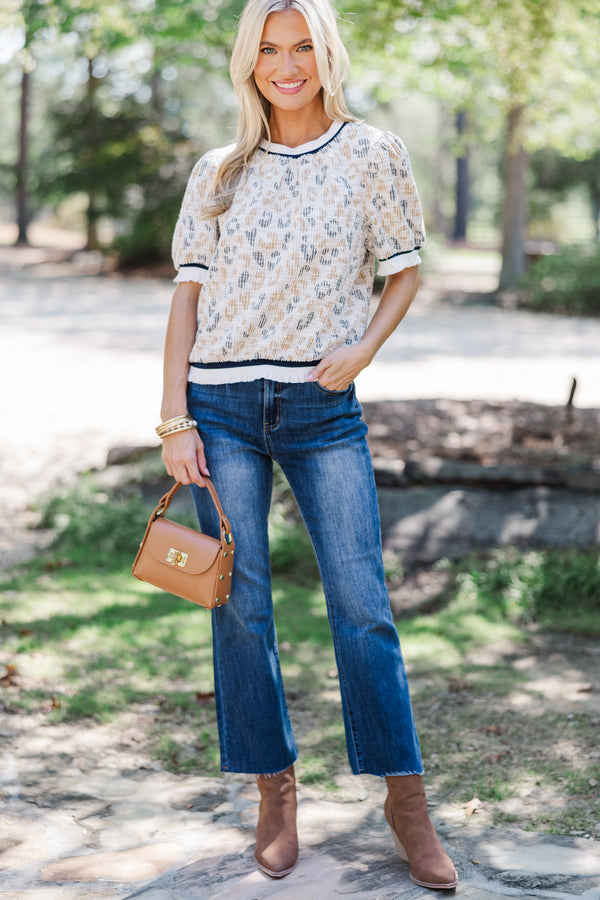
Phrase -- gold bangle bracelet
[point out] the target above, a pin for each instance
(174, 420)
(167, 425)
(165, 434)
(183, 425)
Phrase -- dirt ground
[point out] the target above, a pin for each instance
(488, 433)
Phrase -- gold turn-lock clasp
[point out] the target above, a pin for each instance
(177, 557)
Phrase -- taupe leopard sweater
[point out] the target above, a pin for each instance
(287, 272)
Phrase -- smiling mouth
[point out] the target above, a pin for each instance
(289, 85)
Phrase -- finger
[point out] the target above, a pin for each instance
(201, 462)
(317, 372)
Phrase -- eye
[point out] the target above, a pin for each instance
(305, 47)
(267, 50)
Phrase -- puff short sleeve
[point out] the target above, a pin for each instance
(195, 238)
(395, 228)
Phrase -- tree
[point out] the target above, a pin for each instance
(492, 59)
(29, 17)
(557, 174)
(172, 37)
(462, 183)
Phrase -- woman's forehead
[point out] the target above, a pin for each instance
(285, 26)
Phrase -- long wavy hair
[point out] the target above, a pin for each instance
(253, 123)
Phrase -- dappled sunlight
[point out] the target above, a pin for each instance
(429, 649)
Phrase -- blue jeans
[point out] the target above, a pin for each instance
(319, 440)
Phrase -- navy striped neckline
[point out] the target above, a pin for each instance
(304, 149)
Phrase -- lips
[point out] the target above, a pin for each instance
(289, 87)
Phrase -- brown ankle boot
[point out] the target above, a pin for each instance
(276, 851)
(416, 841)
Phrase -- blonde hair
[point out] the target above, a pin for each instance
(253, 123)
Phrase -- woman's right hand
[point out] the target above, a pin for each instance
(183, 456)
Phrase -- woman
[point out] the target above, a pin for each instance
(275, 250)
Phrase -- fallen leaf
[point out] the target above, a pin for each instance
(52, 703)
(456, 684)
(496, 757)
(203, 699)
(472, 806)
(53, 564)
(494, 729)
(9, 679)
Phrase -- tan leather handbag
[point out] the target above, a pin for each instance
(186, 562)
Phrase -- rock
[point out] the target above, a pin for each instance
(124, 866)
(120, 456)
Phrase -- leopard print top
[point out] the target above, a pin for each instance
(287, 271)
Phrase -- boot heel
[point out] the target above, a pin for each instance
(399, 847)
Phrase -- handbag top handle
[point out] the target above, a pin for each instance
(165, 502)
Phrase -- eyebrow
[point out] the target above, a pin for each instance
(307, 40)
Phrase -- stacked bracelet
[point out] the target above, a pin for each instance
(175, 425)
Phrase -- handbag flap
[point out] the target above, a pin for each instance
(181, 548)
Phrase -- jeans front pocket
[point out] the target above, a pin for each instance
(333, 393)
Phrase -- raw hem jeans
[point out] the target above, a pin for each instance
(319, 440)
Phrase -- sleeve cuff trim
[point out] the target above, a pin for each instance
(399, 261)
(191, 272)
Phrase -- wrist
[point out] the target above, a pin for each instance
(172, 412)
(367, 349)
(172, 408)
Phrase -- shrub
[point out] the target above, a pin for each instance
(568, 282)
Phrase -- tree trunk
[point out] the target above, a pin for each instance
(462, 183)
(92, 214)
(514, 220)
(439, 220)
(22, 163)
(595, 200)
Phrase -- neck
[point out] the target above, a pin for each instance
(293, 128)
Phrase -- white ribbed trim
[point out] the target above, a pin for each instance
(309, 147)
(398, 263)
(191, 273)
(284, 374)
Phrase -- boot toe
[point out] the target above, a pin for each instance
(276, 863)
(440, 878)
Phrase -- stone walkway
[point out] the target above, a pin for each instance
(84, 814)
(112, 824)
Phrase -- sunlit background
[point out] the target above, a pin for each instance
(105, 106)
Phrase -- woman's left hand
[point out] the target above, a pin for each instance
(338, 369)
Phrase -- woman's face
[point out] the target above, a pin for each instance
(286, 69)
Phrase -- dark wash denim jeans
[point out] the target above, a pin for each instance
(319, 439)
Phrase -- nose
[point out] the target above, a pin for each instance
(287, 64)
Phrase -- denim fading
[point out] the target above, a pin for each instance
(319, 439)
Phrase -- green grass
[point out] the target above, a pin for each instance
(87, 640)
(559, 590)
